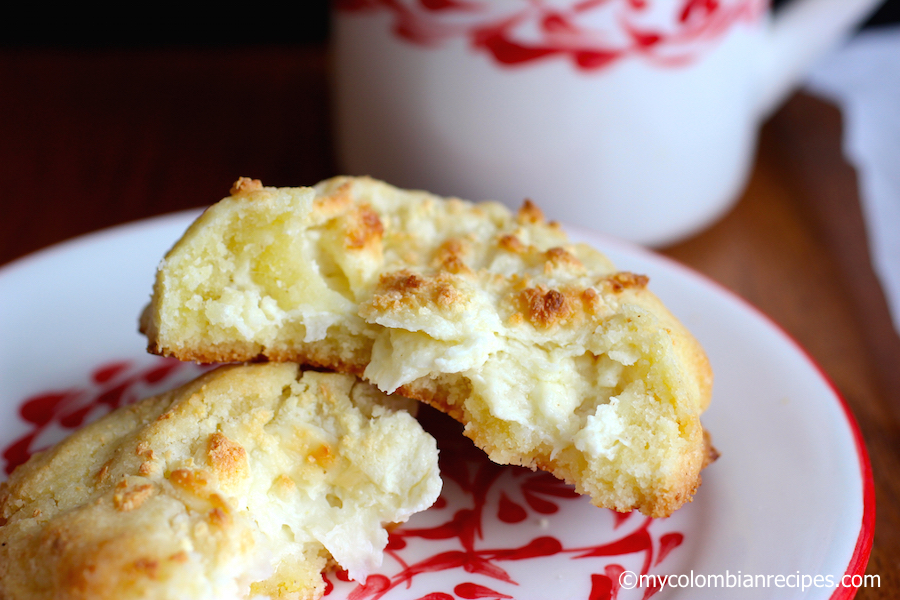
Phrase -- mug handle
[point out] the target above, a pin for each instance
(801, 32)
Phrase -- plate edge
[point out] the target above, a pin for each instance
(862, 550)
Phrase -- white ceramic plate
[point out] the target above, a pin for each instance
(789, 504)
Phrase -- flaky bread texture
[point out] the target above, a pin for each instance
(245, 482)
(551, 357)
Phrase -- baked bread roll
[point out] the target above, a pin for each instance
(548, 355)
(244, 482)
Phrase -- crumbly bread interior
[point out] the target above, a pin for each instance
(551, 357)
(243, 483)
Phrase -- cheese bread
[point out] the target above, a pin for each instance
(550, 356)
(245, 482)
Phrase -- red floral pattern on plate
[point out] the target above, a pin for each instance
(592, 34)
(489, 526)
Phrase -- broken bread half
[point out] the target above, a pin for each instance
(548, 355)
(246, 482)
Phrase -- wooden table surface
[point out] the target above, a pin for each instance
(96, 138)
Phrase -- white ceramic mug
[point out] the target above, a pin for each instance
(637, 118)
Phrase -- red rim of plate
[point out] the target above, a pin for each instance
(864, 541)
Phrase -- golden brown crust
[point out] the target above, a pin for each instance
(544, 307)
(711, 454)
(451, 257)
(364, 228)
(245, 185)
(530, 213)
(323, 355)
(561, 258)
(129, 499)
(404, 290)
(227, 458)
(624, 280)
(193, 481)
(511, 243)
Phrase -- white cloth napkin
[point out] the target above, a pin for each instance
(863, 79)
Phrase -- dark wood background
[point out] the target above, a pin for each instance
(263, 23)
(94, 134)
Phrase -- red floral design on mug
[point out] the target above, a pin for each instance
(592, 34)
